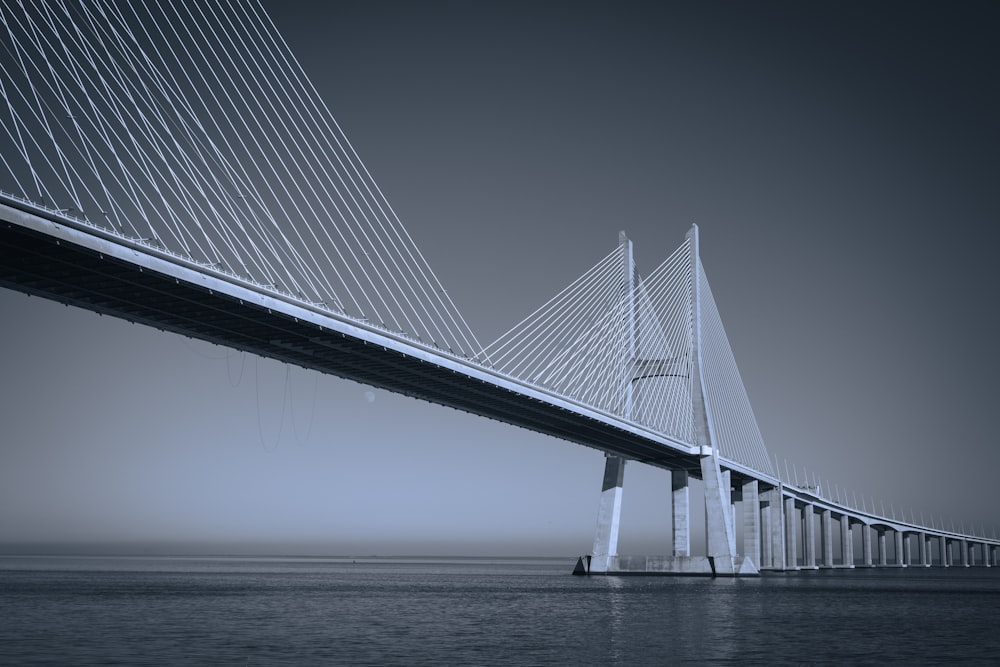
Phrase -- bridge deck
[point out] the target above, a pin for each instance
(38, 263)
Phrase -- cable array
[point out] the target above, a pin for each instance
(613, 341)
(575, 343)
(625, 345)
(191, 127)
(660, 373)
(735, 428)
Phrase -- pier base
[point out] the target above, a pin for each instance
(668, 566)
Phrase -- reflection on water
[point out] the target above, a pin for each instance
(616, 613)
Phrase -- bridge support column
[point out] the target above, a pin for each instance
(766, 553)
(729, 495)
(972, 553)
(791, 540)
(608, 515)
(925, 550)
(751, 522)
(964, 546)
(777, 534)
(945, 551)
(866, 544)
(681, 501)
(719, 529)
(846, 542)
(902, 549)
(826, 535)
(809, 536)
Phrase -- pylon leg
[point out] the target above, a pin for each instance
(720, 532)
(608, 515)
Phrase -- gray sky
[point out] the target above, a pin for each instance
(841, 162)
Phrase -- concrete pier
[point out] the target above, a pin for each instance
(866, 545)
(751, 522)
(809, 536)
(846, 542)
(609, 513)
(778, 550)
(766, 518)
(791, 539)
(826, 537)
(681, 511)
(719, 529)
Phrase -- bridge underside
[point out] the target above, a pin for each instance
(36, 263)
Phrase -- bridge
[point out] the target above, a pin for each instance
(173, 166)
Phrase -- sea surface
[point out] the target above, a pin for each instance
(383, 611)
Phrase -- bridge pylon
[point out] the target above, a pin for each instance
(721, 557)
(609, 511)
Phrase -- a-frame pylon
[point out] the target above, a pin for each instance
(721, 556)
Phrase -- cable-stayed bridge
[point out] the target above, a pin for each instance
(173, 166)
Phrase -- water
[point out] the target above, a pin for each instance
(226, 611)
